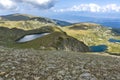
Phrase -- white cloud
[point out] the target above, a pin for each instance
(92, 8)
(7, 4)
(40, 4)
(13, 4)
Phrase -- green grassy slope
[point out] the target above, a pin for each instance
(17, 17)
(56, 40)
(90, 33)
(25, 25)
(94, 34)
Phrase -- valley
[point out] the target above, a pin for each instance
(38, 48)
(90, 33)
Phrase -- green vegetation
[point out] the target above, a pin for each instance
(54, 56)
(25, 25)
(94, 34)
(56, 40)
(15, 26)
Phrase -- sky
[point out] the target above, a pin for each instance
(62, 9)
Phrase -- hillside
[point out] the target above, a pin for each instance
(85, 26)
(62, 23)
(56, 40)
(30, 64)
(25, 25)
(90, 33)
(16, 17)
(63, 54)
(94, 35)
(116, 31)
(26, 17)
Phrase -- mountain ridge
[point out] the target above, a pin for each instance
(26, 17)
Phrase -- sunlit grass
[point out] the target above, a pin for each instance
(90, 36)
(95, 36)
(25, 25)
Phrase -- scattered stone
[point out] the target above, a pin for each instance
(1, 78)
(87, 76)
(29, 64)
(2, 73)
(36, 78)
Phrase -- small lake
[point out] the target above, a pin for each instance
(114, 40)
(98, 48)
(31, 37)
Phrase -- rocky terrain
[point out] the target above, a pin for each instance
(30, 64)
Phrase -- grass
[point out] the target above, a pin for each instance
(10, 35)
(90, 33)
(34, 64)
(25, 25)
(57, 39)
(94, 35)
(48, 41)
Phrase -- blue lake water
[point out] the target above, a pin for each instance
(98, 48)
(113, 40)
(27, 38)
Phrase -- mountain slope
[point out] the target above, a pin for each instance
(94, 35)
(56, 40)
(17, 17)
(62, 23)
(84, 26)
(90, 33)
(30, 64)
(116, 31)
(27, 17)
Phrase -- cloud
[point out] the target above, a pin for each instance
(39, 4)
(92, 8)
(7, 4)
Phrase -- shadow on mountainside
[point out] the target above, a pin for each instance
(57, 40)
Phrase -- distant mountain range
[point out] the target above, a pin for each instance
(108, 22)
(75, 17)
(25, 17)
